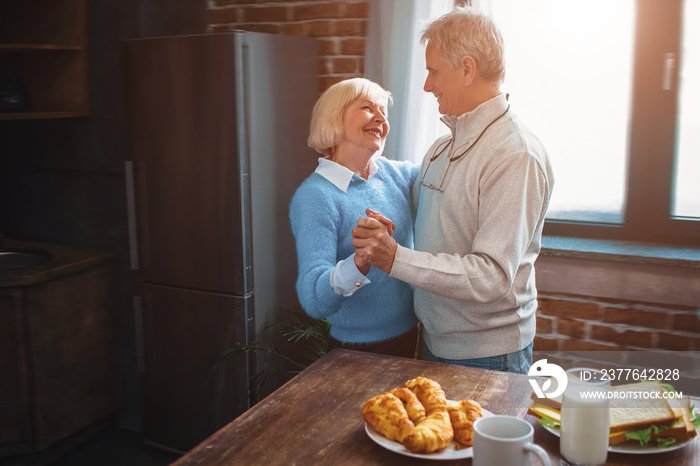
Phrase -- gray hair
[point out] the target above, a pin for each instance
(467, 31)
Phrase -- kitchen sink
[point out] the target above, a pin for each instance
(21, 258)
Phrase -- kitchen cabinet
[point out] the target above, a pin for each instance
(43, 48)
(59, 370)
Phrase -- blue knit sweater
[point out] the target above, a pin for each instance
(322, 218)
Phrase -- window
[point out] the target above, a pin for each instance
(608, 87)
(395, 58)
(687, 171)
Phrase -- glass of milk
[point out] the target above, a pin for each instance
(585, 417)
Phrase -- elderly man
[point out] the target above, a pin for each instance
(482, 198)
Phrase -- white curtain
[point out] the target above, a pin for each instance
(395, 59)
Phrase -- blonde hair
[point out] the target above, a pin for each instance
(466, 31)
(326, 128)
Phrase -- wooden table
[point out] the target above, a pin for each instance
(315, 418)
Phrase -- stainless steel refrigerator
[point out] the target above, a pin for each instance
(218, 126)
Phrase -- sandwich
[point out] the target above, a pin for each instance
(642, 414)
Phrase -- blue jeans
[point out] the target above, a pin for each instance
(518, 362)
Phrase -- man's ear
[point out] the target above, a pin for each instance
(469, 68)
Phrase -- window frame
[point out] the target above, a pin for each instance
(652, 139)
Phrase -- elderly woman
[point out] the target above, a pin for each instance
(367, 310)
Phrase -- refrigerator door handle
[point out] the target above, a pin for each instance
(242, 90)
(138, 334)
(131, 214)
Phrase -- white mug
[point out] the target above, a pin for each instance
(500, 440)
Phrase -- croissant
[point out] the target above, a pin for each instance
(414, 408)
(435, 431)
(386, 414)
(462, 416)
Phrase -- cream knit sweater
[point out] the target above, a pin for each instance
(478, 235)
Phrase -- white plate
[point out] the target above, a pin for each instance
(636, 448)
(449, 453)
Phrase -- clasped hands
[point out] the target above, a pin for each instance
(373, 241)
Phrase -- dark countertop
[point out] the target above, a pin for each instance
(65, 260)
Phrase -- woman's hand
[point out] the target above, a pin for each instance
(362, 265)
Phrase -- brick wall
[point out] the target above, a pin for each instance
(582, 323)
(339, 26)
(574, 330)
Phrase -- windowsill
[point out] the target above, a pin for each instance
(620, 270)
(620, 251)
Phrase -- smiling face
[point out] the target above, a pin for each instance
(446, 84)
(365, 126)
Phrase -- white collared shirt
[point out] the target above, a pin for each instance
(345, 277)
(339, 175)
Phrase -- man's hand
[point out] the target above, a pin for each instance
(390, 226)
(373, 241)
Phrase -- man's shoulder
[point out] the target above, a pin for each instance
(515, 141)
(515, 136)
